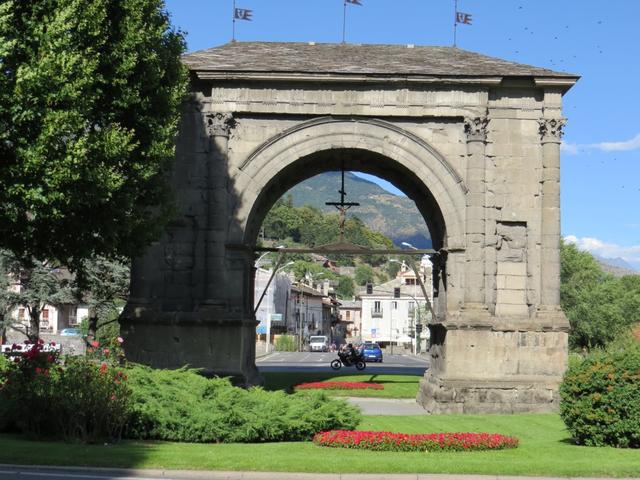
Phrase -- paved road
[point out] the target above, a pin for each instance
(317, 361)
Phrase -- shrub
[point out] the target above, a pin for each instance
(180, 405)
(286, 343)
(401, 442)
(600, 397)
(339, 386)
(80, 401)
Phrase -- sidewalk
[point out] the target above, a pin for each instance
(82, 473)
(387, 406)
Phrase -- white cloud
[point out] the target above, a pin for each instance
(630, 254)
(625, 146)
(569, 148)
(633, 144)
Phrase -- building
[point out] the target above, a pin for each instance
(274, 304)
(391, 310)
(53, 317)
(351, 315)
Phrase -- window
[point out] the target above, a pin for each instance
(348, 314)
(21, 314)
(394, 305)
(45, 315)
(376, 306)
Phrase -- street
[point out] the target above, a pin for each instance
(318, 361)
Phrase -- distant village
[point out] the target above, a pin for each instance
(389, 313)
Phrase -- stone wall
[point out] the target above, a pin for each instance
(481, 161)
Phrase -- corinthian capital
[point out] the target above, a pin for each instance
(476, 128)
(551, 129)
(220, 124)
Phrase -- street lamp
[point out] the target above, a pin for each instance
(415, 344)
(424, 290)
(257, 262)
(269, 305)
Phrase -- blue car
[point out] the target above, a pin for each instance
(372, 352)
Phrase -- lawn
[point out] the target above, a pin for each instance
(545, 449)
(395, 386)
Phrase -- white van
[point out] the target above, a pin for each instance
(319, 343)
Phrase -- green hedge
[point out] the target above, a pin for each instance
(600, 397)
(180, 405)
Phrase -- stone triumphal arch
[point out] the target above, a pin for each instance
(473, 140)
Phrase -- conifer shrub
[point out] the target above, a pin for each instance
(181, 405)
(600, 397)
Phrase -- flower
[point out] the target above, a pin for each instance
(95, 344)
(340, 386)
(113, 398)
(104, 367)
(120, 340)
(53, 344)
(105, 351)
(401, 442)
(40, 341)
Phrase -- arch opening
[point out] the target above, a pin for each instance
(351, 159)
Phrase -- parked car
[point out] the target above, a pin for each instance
(70, 332)
(372, 352)
(319, 343)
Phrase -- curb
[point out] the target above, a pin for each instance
(124, 473)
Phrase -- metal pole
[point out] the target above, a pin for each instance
(344, 20)
(233, 16)
(273, 274)
(455, 21)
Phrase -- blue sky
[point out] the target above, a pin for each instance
(595, 39)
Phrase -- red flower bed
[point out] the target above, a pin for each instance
(340, 386)
(401, 442)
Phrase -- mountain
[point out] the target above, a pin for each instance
(616, 266)
(395, 216)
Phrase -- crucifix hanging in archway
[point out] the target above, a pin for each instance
(342, 206)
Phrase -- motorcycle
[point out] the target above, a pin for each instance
(348, 360)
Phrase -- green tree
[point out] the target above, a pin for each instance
(364, 274)
(345, 288)
(38, 284)
(599, 306)
(104, 285)
(89, 104)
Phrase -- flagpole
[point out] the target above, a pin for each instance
(233, 16)
(455, 21)
(344, 20)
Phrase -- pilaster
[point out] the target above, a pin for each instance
(476, 136)
(550, 136)
(218, 128)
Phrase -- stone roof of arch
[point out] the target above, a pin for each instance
(317, 58)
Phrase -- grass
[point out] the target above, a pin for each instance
(545, 449)
(395, 386)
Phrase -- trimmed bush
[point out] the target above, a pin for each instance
(600, 397)
(402, 442)
(181, 405)
(339, 386)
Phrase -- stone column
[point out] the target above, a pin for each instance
(476, 130)
(550, 133)
(219, 126)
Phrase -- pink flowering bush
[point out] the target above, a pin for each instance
(339, 386)
(402, 442)
(81, 400)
